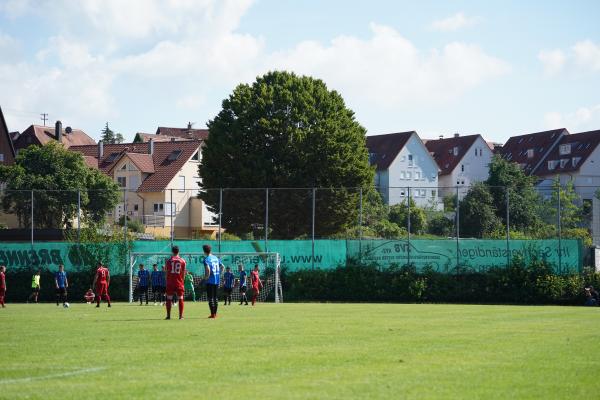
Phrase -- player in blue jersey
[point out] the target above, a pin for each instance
(62, 283)
(243, 284)
(212, 275)
(143, 282)
(158, 285)
(228, 281)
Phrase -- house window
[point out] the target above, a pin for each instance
(455, 150)
(122, 181)
(564, 149)
(552, 164)
(1, 157)
(422, 192)
(576, 161)
(530, 153)
(124, 167)
(159, 208)
(417, 175)
(196, 156)
(462, 167)
(402, 175)
(170, 209)
(181, 183)
(402, 193)
(408, 175)
(433, 193)
(410, 160)
(563, 162)
(136, 207)
(402, 158)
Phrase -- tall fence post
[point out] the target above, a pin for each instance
(314, 192)
(559, 227)
(172, 211)
(457, 230)
(220, 215)
(267, 220)
(78, 216)
(408, 225)
(32, 218)
(125, 216)
(507, 189)
(360, 223)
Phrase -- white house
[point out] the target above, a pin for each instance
(403, 166)
(462, 160)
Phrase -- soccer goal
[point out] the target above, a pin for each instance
(268, 263)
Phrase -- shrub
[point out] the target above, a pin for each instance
(441, 226)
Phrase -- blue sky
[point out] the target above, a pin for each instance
(438, 67)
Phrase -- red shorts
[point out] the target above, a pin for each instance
(101, 289)
(2, 292)
(179, 291)
(255, 289)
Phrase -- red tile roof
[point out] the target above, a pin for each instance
(8, 138)
(442, 151)
(383, 149)
(44, 134)
(582, 145)
(185, 133)
(145, 137)
(165, 168)
(516, 148)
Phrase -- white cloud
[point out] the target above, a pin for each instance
(583, 56)
(389, 70)
(583, 119)
(553, 61)
(454, 22)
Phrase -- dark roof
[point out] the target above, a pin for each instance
(582, 145)
(7, 133)
(44, 134)
(442, 151)
(383, 149)
(516, 148)
(143, 137)
(185, 133)
(164, 169)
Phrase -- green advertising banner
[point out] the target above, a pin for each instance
(441, 255)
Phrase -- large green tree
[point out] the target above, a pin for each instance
(285, 131)
(570, 212)
(399, 213)
(524, 201)
(56, 175)
(107, 135)
(477, 215)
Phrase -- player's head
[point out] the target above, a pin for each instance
(207, 249)
(240, 267)
(154, 267)
(141, 267)
(61, 267)
(99, 263)
(256, 267)
(175, 250)
(2, 268)
(228, 269)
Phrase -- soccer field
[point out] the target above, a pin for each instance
(300, 351)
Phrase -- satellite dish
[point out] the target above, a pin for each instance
(68, 129)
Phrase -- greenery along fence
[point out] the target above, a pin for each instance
(443, 256)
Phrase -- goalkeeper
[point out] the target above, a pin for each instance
(188, 284)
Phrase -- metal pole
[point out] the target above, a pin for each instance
(360, 222)
(267, 219)
(457, 230)
(507, 227)
(559, 233)
(314, 192)
(32, 218)
(125, 215)
(172, 209)
(131, 259)
(220, 215)
(78, 216)
(408, 225)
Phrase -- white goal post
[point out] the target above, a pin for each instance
(269, 264)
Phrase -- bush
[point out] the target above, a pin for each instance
(132, 224)
(441, 226)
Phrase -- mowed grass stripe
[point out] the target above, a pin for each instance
(298, 351)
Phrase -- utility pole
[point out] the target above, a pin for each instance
(44, 117)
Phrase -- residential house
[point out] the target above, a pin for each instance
(40, 135)
(530, 150)
(403, 165)
(165, 133)
(462, 160)
(7, 149)
(160, 182)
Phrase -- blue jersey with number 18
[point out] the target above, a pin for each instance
(214, 266)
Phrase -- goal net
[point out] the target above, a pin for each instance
(268, 264)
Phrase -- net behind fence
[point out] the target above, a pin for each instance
(268, 264)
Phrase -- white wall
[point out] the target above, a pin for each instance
(421, 176)
(476, 169)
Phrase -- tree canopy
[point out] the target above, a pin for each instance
(56, 175)
(285, 131)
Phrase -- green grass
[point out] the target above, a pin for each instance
(300, 351)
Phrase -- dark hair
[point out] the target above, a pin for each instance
(206, 248)
(175, 249)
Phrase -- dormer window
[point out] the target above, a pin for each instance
(530, 153)
(564, 149)
(564, 162)
(455, 150)
(575, 161)
(552, 164)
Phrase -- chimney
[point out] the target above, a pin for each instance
(172, 139)
(100, 150)
(456, 134)
(151, 146)
(189, 126)
(441, 137)
(58, 131)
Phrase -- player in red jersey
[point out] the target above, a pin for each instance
(175, 271)
(2, 285)
(256, 284)
(101, 283)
